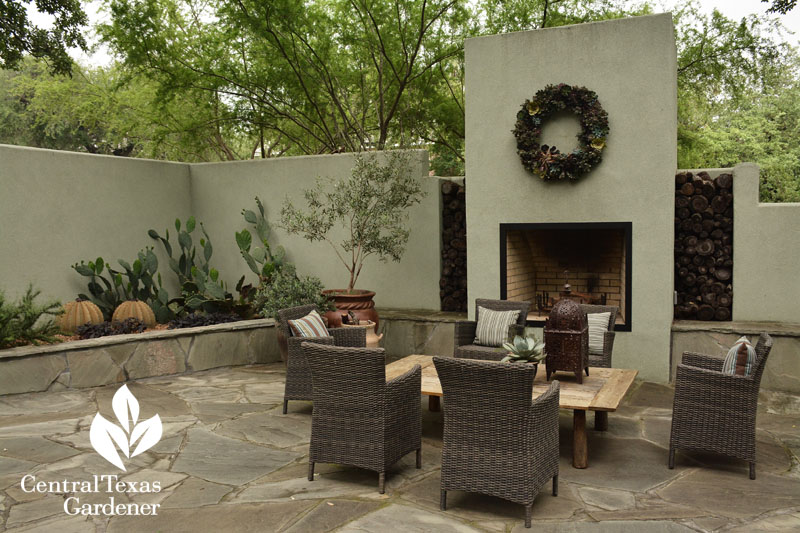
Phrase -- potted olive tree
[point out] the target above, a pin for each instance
(372, 207)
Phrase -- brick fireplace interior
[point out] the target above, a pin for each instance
(537, 260)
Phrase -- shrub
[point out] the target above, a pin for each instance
(289, 290)
(18, 320)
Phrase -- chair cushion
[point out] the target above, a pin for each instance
(492, 327)
(740, 358)
(598, 325)
(310, 325)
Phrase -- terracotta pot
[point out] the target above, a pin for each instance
(373, 340)
(359, 302)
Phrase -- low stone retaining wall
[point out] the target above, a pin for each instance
(417, 331)
(782, 372)
(119, 358)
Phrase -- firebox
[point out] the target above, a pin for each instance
(585, 262)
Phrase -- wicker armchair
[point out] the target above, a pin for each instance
(608, 337)
(298, 374)
(359, 419)
(496, 440)
(716, 412)
(465, 330)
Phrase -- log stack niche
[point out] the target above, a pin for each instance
(703, 246)
(453, 280)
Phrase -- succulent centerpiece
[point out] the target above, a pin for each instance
(527, 349)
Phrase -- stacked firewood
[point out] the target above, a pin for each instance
(453, 282)
(703, 246)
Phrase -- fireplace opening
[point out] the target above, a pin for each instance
(586, 262)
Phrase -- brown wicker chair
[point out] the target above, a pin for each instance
(359, 419)
(465, 330)
(496, 440)
(716, 412)
(608, 338)
(298, 375)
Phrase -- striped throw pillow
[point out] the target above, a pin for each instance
(492, 328)
(598, 325)
(740, 358)
(310, 325)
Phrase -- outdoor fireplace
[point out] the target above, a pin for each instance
(584, 262)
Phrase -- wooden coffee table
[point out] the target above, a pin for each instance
(600, 392)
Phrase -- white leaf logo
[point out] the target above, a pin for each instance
(106, 436)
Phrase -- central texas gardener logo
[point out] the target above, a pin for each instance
(106, 436)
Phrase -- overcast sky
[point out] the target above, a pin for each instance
(734, 9)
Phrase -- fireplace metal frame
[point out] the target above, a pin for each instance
(627, 228)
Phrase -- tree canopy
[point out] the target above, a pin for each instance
(19, 36)
(234, 79)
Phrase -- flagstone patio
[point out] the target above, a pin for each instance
(229, 461)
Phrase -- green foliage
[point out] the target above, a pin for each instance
(143, 283)
(526, 349)
(108, 295)
(20, 36)
(23, 322)
(780, 6)
(261, 259)
(201, 288)
(189, 260)
(112, 111)
(206, 292)
(287, 289)
(372, 205)
(202, 81)
(738, 100)
(298, 77)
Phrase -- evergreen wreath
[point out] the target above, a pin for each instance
(547, 161)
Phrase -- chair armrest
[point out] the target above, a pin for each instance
(465, 332)
(294, 345)
(402, 397)
(700, 360)
(543, 424)
(351, 337)
(608, 343)
(549, 400)
(714, 389)
(408, 383)
(514, 330)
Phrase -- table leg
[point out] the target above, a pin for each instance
(580, 453)
(601, 420)
(434, 405)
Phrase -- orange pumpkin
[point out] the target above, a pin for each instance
(135, 309)
(77, 313)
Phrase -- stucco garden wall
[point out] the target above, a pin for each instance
(221, 190)
(631, 65)
(57, 208)
(766, 253)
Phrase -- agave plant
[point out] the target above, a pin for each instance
(526, 349)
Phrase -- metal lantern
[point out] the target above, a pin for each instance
(566, 337)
